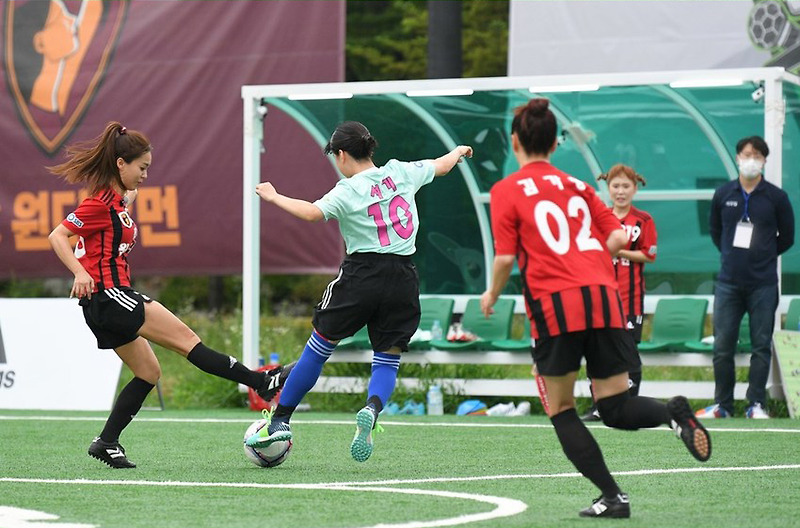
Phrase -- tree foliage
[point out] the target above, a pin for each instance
(387, 39)
(485, 38)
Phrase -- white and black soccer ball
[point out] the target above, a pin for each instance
(273, 455)
(768, 25)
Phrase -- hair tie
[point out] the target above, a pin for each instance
(123, 131)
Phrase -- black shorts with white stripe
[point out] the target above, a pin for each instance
(114, 315)
(608, 352)
(377, 290)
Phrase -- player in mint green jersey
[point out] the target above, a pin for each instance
(377, 284)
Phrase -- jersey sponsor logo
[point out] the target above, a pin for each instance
(125, 218)
(73, 219)
(78, 41)
(80, 248)
(732, 203)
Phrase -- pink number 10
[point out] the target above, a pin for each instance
(403, 231)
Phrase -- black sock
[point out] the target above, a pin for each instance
(582, 450)
(283, 413)
(636, 381)
(623, 411)
(224, 366)
(375, 403)
(128, 403)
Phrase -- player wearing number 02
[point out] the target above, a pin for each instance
(563, 236)
(377, 284)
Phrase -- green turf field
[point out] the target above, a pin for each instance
(425, 471)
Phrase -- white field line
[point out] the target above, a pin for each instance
(351, 422)
(637, 472)
(503, 506)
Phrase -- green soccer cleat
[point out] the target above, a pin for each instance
(275, 431)
(361, 448)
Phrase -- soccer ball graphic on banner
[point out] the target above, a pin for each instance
(272, 455)
(773, 25)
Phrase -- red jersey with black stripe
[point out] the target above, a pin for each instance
(556, 226)
(107, 234)
(642, 236)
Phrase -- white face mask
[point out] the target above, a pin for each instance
(750, 168)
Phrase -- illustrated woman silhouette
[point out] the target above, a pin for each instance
(50, 44)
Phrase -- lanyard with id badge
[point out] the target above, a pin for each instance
(744, 228)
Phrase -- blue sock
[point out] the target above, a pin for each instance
(305, 374)
(384, 375)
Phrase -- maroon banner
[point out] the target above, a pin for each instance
(174, 71)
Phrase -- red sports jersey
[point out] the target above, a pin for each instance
(641, 231)
(107, 234)
(557, 228)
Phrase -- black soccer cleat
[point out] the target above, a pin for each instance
(111, 453)
(688, 428)
(274, 380)
(617, 508)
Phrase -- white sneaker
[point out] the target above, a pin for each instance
(523, 409)
(501, 409)
(757, 412)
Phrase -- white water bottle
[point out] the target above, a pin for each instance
(435, 401)
(436, 330)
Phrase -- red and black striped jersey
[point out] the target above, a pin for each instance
(557, 228)
(642, 236)
(107, 234)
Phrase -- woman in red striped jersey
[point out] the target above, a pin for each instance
(111, 167)
(562, 237)
(639, 226)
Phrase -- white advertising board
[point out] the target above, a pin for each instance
(602, 36)
(49, 358)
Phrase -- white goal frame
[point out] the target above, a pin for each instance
(254, 109)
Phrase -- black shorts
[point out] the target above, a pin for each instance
(634, 326)
(608, 351)
(373, 289)
(114, 315)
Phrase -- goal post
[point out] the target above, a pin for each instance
(604, 119)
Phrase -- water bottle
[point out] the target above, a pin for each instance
(436, 330)
(274, 359)
(435, 401)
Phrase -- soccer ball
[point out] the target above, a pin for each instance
(273, 455)
(768, 25)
